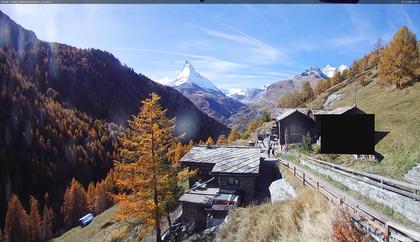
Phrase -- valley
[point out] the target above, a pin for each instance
(92, 149)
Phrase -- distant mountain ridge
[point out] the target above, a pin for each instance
(205, 95)
(278, 89)
(245, 95)
(268, 99)
(330, 71)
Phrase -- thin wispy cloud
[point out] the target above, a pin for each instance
(214, 64)
(260, 44)
(225, 74)
(245, 40)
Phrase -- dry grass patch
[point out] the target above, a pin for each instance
(308, 217)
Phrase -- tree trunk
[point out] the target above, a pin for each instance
(155, 192)
(158, 238)
(168, 217)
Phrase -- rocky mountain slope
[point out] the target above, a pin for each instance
(205, 95)
(278, 89)
(268, 99)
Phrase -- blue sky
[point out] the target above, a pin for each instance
(235, 46)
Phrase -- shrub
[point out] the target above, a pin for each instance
(307, 142)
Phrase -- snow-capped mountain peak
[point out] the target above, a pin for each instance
(341, 68)
(313, 71)
(189, 76)
(244, 95)
(330, 70)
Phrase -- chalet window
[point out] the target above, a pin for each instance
(233, 182)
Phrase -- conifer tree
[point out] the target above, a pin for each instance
(35, 220)
(74, 204)
(209, 141)
(290, 100)
(190, 145)
(172, 189)
(307, 92)
(91, 197)
(178, 151)
(16, 226)
(47, 220)
(221, 140)
(109, 187)
(234, 135)
(101, 198)
(145, 173)
(399, 60)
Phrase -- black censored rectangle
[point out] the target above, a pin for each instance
(348, 134)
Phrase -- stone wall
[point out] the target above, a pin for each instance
(401, 204)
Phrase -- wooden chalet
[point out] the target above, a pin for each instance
(315, 115)
(234, 168)
(291, 124)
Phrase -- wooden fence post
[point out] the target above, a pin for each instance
(303, 178)
(387, 234)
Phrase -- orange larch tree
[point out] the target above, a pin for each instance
(101, 197)
(35, 220)
(16, 226)
(75, 204)
(144, 175)
(47, 220)
(91, 197)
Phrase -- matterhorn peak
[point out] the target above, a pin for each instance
(189, 76)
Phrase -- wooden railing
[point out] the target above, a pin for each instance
(403, 188)
(380, 227)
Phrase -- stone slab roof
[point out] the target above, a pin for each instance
(227, 159)
(200, 196)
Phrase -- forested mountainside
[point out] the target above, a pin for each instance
(61, 110)
(95, 82)
(43, 144)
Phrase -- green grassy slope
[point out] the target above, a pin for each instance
(396, 112)
(104, 227)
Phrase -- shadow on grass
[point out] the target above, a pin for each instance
(379, 135)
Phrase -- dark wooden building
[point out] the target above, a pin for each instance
(292, 125)
(315, 115)
(234, 168)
